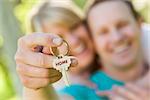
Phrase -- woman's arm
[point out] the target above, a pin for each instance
(35, 68)
(46, 93)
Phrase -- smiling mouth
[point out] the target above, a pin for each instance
(122, 48)
(79, 49)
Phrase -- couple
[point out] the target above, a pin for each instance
(116, 38)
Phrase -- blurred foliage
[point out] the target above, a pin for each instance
(21, 10)
(143, 7)
(6, 88)
(80, 3)
(8, 40)
(1, 41)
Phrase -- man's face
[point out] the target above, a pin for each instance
(116, 34)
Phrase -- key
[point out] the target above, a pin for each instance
(62, 64)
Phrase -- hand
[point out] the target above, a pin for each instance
(144, 81)
(128, 92)
(34, 67)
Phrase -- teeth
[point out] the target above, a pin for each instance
(80, 48)
(121, 48)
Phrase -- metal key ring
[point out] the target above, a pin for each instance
(55, 51)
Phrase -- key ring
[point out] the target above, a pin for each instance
(55, 51)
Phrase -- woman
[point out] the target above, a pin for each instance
(116, 31)
(68, 25)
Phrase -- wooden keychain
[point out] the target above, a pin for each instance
(62, 62)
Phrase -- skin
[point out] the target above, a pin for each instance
(116, 37)
(25, 47)
(35, 68)
(128, 92)
(112, 31)
(75, 38)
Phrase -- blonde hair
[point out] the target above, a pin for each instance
(60, 15)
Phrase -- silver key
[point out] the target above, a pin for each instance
(62, 64)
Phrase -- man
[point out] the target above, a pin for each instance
(116, 32)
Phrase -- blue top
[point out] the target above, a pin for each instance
(104, 82)
(81, 92)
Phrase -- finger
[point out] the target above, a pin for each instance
(144, 81)
(136, 89)
(46, 50)
(74, 62)
(122, 91)
(110, 94)
(35, 83)
(38, 59)
(62, 49)
(114, 96)
(103, 93)
(34, 58)
(32, 71)
(40, 39)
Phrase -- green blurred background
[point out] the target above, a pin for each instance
(12, 25)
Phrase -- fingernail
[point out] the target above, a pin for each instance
(74, 62)
(57, 41)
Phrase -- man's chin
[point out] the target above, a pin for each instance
(124, 66)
